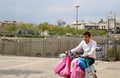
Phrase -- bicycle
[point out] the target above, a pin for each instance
(90, 72)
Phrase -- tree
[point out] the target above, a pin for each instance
(10, 29)
(98, 32)
(44, 27)
(26, 29)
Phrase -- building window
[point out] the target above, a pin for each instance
(102, 27)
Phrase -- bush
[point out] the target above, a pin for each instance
(118, 53)
(110, 53)
(111, 56)
(30, 36)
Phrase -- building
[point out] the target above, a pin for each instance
(101, 25)
(92, 25)
(118, 27)
(85, 25)
(80, 25)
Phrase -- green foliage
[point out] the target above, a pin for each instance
(110, 53)
(118, 53)
(114, 55)
(30, 30)
(30, 36)
(10, 35)
(10, 28)
(70, 30)
(44, 26)
(24, 29)
(98, 32)
(81, 31)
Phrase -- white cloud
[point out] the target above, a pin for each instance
(57, 9)
(32, 10)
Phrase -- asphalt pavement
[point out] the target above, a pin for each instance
(38, 67)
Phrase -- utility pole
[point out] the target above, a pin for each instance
(77, 19)
(112, 32)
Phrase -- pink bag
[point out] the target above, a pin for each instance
(60, 65)
(80, 73)
(66, 71)
(77, 72)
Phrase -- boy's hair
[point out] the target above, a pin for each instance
(87, 33)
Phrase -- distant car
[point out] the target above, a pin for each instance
(99, 48)
(110, 41)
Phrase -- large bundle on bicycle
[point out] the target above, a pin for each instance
(75, 67)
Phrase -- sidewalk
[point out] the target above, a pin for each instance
(108, 69)
(37, 67)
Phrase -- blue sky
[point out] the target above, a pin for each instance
(38, 11)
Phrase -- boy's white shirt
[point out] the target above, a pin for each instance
(89, 48)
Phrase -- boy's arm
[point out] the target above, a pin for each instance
(77, 49)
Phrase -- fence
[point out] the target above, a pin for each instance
(110, 50)
(36, 46)
(51, 47)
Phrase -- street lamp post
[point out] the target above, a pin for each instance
(112, 27)
(77, 18)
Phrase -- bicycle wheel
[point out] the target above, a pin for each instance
(95, 76)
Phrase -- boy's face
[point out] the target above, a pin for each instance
(86, 38)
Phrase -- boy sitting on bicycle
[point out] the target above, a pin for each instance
(88, 46)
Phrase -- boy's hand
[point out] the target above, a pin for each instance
(66, 52)
(85, 55)
(75, 54)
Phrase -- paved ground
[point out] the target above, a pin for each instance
(36, 67)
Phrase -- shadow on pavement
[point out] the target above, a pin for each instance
(19, 72)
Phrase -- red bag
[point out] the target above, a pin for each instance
(66, 71)
(60, 65)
